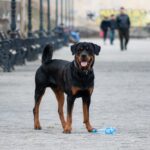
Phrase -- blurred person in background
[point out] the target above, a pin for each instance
(112, 25)
(62, 32)
(123, 25)
(104, 28)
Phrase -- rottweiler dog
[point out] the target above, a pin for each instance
(75, 78)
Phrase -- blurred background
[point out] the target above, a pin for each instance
(87, 14)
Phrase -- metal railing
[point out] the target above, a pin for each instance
(16, 50)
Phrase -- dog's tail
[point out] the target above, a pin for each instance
(47, 53)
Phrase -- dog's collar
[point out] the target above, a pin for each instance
(86, 72)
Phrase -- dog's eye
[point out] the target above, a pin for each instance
(90, 51)
(80, 50)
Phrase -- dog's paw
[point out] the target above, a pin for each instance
(90, 129)
(67, 131)
(37, 127)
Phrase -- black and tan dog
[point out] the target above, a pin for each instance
(75, 78)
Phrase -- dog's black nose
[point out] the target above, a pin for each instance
(84, 55)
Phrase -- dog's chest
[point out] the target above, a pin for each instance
(82, 80)
(79, 92)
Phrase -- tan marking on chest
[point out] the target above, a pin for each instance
(75, 90)
(91, 90)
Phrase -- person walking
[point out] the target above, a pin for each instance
(112, 26)
(61, 31)
(104, 27)
(123, 25)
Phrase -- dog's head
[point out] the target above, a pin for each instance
(85, 54)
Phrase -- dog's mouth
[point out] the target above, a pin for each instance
(84, 63)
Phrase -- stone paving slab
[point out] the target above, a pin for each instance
(121, 99)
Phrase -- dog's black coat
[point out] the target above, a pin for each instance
(63, 75)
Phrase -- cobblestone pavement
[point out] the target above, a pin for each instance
(121, 99)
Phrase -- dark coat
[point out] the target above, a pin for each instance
(104, 25)
(123, 21)
(113, 24)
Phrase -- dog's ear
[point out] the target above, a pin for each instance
(73, 48)
(97, 48)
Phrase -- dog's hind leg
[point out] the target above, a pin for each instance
(60, 99)
(39, 91)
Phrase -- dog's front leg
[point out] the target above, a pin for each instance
(70, 103)
(86, 105)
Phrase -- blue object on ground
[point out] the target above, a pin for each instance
(105, 131)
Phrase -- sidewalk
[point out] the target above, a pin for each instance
(121, 99)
